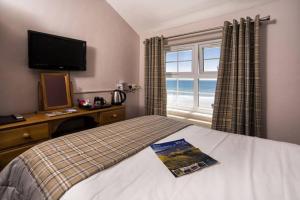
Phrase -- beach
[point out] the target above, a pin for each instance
(180, 94)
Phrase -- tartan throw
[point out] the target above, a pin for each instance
(237, 106)
(60, 163)
(155, 78)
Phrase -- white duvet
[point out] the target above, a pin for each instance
(249, 168)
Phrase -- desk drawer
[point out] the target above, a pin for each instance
(112, 116)
(19, 136)
(7, 156)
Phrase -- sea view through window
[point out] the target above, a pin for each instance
(192, 77)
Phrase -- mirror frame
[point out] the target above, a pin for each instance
(44, 92)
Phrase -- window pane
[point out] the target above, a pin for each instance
(211, 65)
(186, 85)
(185, 99)
(171, 91)
(185, 66)
(211, 52)
(185, 92)
(207, 95)
(171, 84)
(171, 67)
(207, 87)
(171, 98)
(184, 55)
(171, 56)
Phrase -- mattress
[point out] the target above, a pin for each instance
(248, 168)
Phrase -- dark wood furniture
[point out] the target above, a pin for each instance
(18, 137)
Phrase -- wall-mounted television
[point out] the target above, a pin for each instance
(52, 52)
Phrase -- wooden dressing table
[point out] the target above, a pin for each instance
(17, 137)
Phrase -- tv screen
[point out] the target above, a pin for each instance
(53, 52)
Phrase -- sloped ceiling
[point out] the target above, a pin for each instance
(152, 15)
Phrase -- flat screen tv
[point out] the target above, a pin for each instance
(53, 52)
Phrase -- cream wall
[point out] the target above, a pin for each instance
(280, 60)
(112, 53)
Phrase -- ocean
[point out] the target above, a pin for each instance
(183, 97)
(206, 87)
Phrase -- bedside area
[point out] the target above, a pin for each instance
(17, 137)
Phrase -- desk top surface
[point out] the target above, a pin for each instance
(33, 118)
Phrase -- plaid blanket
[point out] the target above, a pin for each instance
(58, 164)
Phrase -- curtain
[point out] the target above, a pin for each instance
(237, 106)
(155, 78)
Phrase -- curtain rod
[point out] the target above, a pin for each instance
(266, 18)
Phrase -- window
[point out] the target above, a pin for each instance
(211, 57)
(180, 92)
(179, 61)
(191, 72)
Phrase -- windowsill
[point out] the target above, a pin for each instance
(190, 116)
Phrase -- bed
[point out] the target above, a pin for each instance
(248, 168)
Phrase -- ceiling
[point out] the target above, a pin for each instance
(151, 15)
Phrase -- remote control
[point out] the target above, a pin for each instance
(18, 117)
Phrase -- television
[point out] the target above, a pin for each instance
(52, 52)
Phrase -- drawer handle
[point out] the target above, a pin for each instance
(26, 135)
(114, 115)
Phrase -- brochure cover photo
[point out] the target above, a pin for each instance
(181, 158)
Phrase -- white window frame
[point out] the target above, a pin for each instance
(197, 73)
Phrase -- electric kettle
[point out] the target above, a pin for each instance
(118, 97)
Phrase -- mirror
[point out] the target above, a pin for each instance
(56, 91)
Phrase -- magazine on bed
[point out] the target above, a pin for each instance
(181, 158)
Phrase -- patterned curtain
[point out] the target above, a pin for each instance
(155, 78)
(237, 106)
